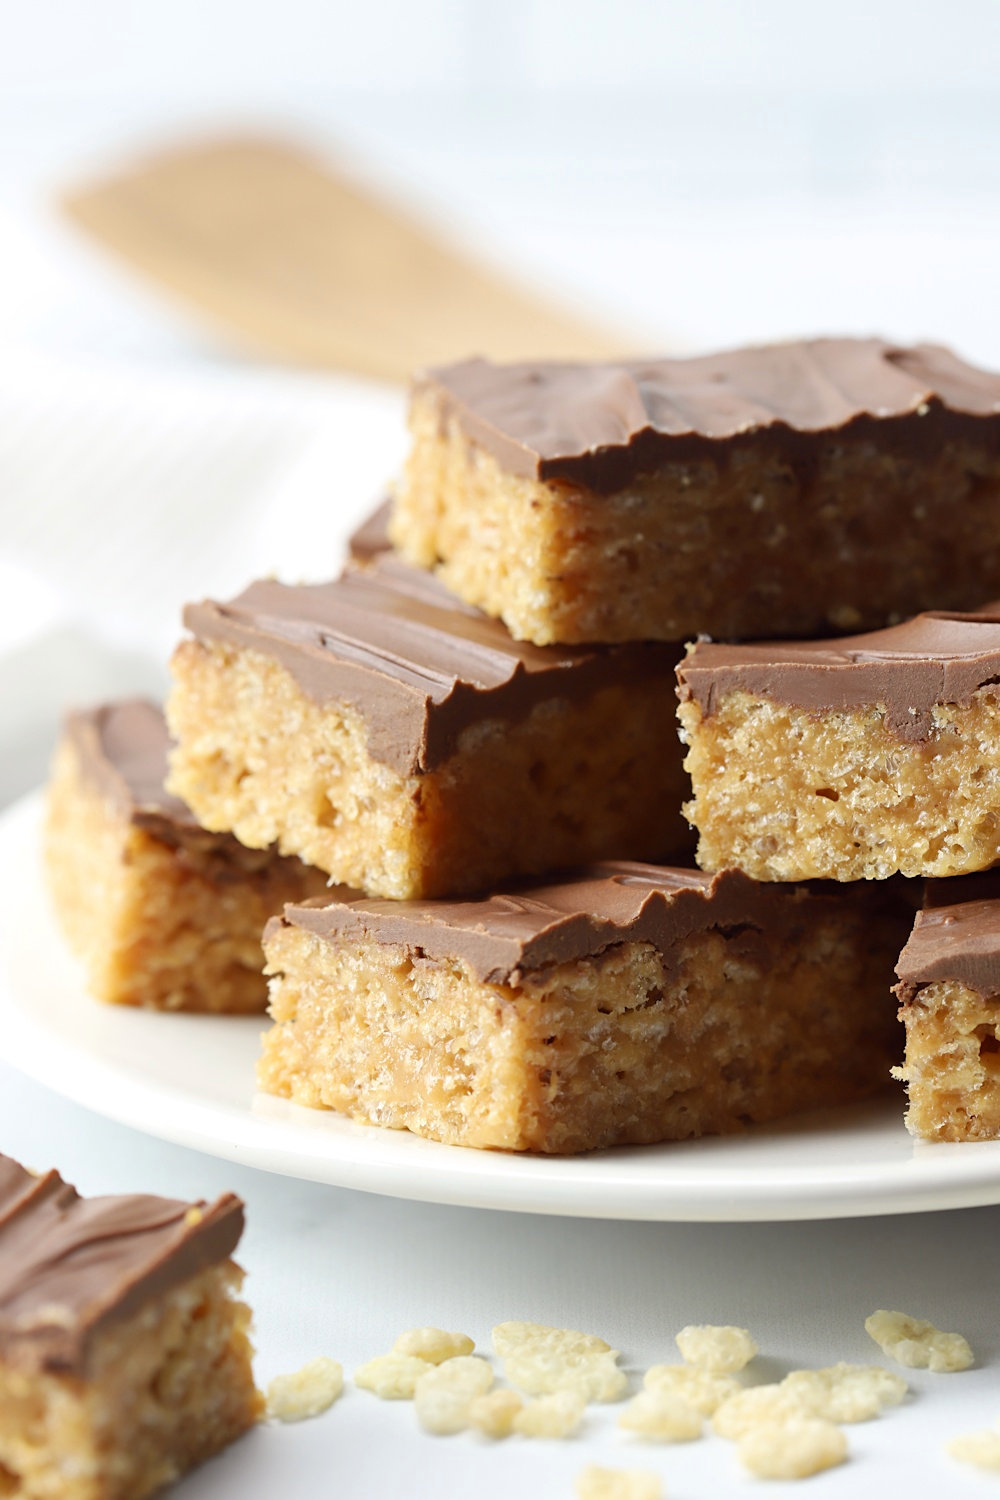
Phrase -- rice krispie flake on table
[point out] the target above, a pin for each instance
(917, 1344)
(750, 493)
(124, 1357)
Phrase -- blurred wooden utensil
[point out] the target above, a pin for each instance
(294, 261)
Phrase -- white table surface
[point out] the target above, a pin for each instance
(341, 1273)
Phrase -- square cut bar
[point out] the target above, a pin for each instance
(630, 1004)
(949, 994)
(850, 759)
(404, 743)
(787, 490)
(163, 914)
(124, 1356)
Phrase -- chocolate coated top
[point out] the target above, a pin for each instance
(960, 942)
(935, 658)
(69, 1266)
(503, 937)
(601, 424)
(122, 749)
(418, 665)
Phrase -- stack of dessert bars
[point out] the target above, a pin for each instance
(451, 777)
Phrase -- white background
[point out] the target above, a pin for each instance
(701, 173)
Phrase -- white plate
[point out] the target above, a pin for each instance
(190, 1079)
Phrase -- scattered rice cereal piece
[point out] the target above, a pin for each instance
(720, 1351)
(793, 1449)
(444, 1393)
(508, 1338)
(493, 1414)
(595, 1483)
(845, 1393)
(542, 1360)
(433, 1344)
(979, 1448)
(759, 1405)
(704, 1392)
(393, 1377)
(554, 1416)
(306, 1392)
(662, 1416)
(918, 1345)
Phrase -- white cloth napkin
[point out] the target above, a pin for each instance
(127, 490)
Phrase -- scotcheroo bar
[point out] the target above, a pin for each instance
(164, 915)
(949, 994)
(630, 1004)
(124, 1357)
(851, 759)
(778, 491)
(404, 743)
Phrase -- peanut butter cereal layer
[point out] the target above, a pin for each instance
(124, 1358)
(850, 759)
(163, 914)
(632, 1004)
(406, 745)
(751, 493)
(949, 994)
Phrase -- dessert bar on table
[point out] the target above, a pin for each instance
(778, 491)
(627, 1004)
(164, 914)
(949, 994)
(124, 1357)
(407, 745)
(849, 759)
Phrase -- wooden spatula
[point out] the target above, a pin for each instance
(294, 261)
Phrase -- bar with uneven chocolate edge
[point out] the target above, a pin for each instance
(850, 759)
(404, 743)
(790, 490)
(949, 1003)
(631, 1003)
(124, 1356)
(163, 914)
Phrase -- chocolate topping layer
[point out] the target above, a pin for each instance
(503, 937)
(122, 749)
(935, 658)
(419, 666)
(960, 942)
(69, 1266)
(601, 424)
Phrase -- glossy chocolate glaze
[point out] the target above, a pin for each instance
(935, 658)
(122, 751)
(418, 666)
(506, 936)
(70, 1266)
(599, 425)
(959, 942)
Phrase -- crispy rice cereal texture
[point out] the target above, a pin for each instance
(952, 1063)
(164, 1390)
(721, 1350)
(579, 1055)
(557, 562)
(307, 1392)
(596, 1483)
(158, 927)
(785, 794)
(917, 1344)
(794, 1449)
(572, 782)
